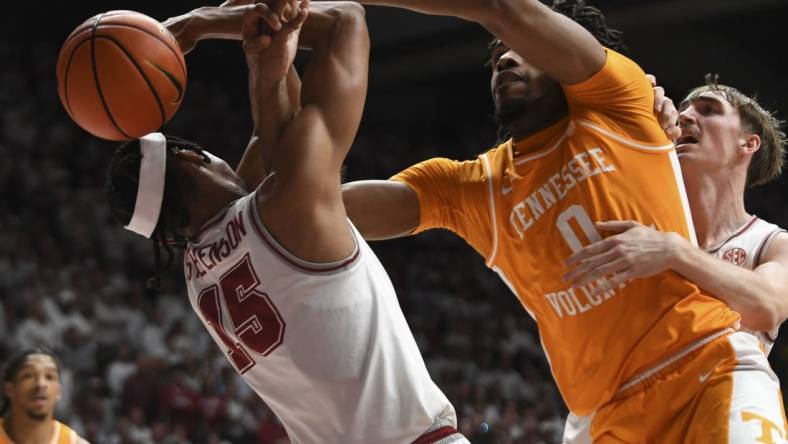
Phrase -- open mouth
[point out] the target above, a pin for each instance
(683, 141)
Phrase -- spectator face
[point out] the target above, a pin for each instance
(35, 388)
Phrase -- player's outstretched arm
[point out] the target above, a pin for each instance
(635, 251)
(310, 151)
(251, 168)
(381, 209)
(303, 206)
(226, 22)
(270, 61)
(546, 39)
(218, 22)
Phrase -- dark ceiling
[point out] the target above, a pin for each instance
(423, 64)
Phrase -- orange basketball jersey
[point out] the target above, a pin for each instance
(63, 435)
(527, 207)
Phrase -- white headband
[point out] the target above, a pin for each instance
(150, 190)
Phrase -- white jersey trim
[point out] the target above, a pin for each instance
(630, 143)
(215, 219)
(765, 246)
(741, 230)
(676, 166)
(570, 129)
(642, 376)
(490, 189)
(293, 260)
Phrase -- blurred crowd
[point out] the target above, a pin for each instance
(140, 368)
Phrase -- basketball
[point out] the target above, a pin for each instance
(121, 75)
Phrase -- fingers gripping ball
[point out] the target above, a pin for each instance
(121, 75)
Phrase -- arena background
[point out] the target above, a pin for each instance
(142, 369)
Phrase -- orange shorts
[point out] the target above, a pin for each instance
(724, 392)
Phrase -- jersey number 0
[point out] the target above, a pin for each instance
(256, 322)
(580, 215)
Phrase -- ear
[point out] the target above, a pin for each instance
(749, 144)
(189, 156)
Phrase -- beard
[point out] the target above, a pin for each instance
(38, 416)
(509, 110)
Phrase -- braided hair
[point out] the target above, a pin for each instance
(122, 183)
(590, 18)
(15, 363)
(593, 20)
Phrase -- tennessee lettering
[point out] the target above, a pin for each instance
(582, 166)
(574, 301)
(200, 260)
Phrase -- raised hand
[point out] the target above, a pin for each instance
(273, 53)
(223, 22)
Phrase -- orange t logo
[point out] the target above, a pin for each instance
(766, 426)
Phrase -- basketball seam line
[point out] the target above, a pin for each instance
(124, 25)
(96, 80)
(74, 34)
(142, 73)
(65, 77)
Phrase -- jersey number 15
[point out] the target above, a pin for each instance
(256, 322)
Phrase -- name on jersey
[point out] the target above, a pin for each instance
(201, 259)
(587, 164)
(573, 301)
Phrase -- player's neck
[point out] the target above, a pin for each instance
(22, 429)
(530, 123)
(717, 206)
(212, 200)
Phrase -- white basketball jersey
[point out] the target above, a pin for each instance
(745, 248)
(325, 345)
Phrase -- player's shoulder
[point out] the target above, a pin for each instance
(774, 244)
(779, 240)
(69, 436)
(3, 437)
(617, 68)
(766, 226)
(444, 167)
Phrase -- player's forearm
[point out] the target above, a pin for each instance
(203, 23)
(251, 168)
(323, 26)
(223, 23)
(472, 10)
(272, 108)
(743, 290)
(381, 209)
(546, 39)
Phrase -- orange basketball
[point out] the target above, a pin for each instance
(121, 75)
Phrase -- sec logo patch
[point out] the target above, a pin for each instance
(736, 256)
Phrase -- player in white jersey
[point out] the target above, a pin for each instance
(727, 142)
(280, 278)
(746, 248)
